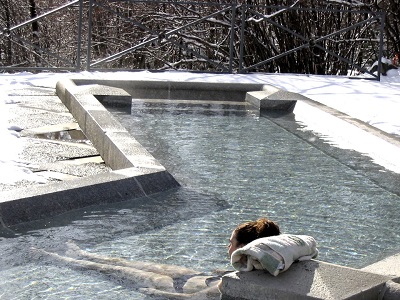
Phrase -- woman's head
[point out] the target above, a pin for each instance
(250, 231)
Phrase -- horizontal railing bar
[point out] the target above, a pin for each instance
(39, 17)
(239, 11)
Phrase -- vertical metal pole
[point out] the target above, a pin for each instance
(242, 28)
(89, 41)
(232, 44)
(79, 46)
(382, 17)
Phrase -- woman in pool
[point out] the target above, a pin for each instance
(168, 281)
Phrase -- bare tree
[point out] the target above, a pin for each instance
(392, 25)
(298, 36)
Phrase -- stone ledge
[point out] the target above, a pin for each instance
(115, 145)
(168, 89)
(391, 291)
(38, 202)
(389, 266)
(304, 280)
(272, 98)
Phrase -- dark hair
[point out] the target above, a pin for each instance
(250, 231)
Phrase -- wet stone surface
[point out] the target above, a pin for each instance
(52, 146)
(49, 151)
(37, 111)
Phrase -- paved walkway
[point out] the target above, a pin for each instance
(54, 147)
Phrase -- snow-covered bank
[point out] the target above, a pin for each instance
(377, 103)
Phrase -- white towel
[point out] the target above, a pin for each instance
(275, 253)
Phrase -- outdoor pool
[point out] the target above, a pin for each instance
(232, 168)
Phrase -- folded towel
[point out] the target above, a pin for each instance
(275, 253)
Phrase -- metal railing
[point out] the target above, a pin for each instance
(200, 36)
(11, 34)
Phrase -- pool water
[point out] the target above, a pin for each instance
(233, 168)
(262, 169)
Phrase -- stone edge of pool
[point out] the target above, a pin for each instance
(136, 173)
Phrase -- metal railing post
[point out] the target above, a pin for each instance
(89, 36)
(79, 41)
(242, 28)
(382, 28)
(231, 43)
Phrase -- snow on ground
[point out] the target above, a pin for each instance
(377, 103)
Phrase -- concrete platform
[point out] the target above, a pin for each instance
(307, 280)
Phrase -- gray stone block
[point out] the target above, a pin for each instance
(38, 202)
(391, 291)
(304, 280)
(389, 266)
(273, 99)
(147, 89)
